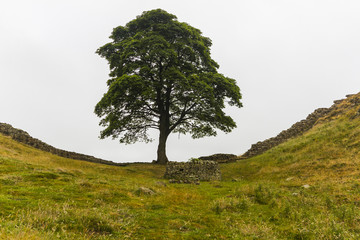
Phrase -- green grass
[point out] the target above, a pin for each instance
(43, 196)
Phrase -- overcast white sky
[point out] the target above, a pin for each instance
(289, 57)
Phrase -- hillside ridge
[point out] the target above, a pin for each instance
(25, 138)
(302, 126)
(306, 188)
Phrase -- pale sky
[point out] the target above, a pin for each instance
(289, 57)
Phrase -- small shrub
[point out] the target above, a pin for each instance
(230, 205)
(263, 195)
(329, 203)
(194, 160)
(96, 225)
(85, 184)
(286, 212)
(84, 224)
(156, 207)
(243, 205)
(302, 234)
(7, 182)
(220, 205)
(42, 176)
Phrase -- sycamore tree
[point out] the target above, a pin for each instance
(163, 77)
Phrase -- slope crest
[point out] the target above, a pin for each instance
(348, 105)
(23, 137)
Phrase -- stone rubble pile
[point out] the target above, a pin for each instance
(192, 172)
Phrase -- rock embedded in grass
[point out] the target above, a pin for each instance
(145, 191)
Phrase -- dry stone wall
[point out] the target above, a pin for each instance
(23, 137)
(220, 158)
(192, 172)
(297, 129)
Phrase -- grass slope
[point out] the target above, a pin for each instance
(306, 188)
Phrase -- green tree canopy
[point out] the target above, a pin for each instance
(162, 77)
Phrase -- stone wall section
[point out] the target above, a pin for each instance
(190, 172)
(220, 158)
(302, 126)
(23, 137)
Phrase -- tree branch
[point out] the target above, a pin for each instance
(182, 116)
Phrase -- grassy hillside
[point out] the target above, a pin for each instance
(306, 188)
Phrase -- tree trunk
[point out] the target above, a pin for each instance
(164, 124)
(161, 152)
